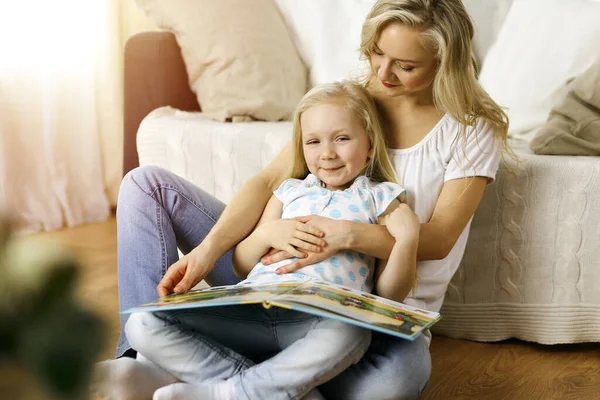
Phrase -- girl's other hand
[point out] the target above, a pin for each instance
(293, 237)
(403, 224)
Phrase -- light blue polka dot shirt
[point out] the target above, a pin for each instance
(362, 202)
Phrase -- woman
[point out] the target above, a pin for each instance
(444, 134)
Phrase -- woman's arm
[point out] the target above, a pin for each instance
(455, 206)
(236, 222)
(249, 250)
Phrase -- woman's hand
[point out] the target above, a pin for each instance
(336, 233)
(403, 224)
(185, 273)
(292, 236)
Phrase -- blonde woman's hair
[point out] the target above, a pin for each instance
(356, 98)
(448, 30)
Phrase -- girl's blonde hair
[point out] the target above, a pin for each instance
(448, 30)
(356, 98)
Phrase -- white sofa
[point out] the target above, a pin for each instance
(532, 261)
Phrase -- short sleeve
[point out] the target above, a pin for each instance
(286, 192)
(477, 154)
(384, 193)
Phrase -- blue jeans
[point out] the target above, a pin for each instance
(298, 351)
(159, 211)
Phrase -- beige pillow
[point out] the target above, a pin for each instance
(573, 127)
(240, 58)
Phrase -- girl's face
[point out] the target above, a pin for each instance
(402, 64)
(336, 146)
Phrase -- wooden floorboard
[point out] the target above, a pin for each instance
(461, 369)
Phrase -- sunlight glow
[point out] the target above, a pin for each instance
(58, 36)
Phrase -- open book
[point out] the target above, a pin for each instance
(311, 296)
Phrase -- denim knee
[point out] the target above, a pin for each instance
(347, 339)
(362, 341)
(392, 368)
(406, 374)
(138, 333)
(144, 178)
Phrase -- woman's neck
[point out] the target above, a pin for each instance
(406, 103)
(407, 119)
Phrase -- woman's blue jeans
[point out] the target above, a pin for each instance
(159, 212)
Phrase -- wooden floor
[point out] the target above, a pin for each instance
(461, 369)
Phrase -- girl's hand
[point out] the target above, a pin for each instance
(337, 236)
(273, 255)
(311, 258)
(292, 237)
(403, 224)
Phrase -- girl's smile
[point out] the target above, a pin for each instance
(332, 169)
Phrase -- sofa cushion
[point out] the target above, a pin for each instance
(239, 56)
(540, 47)
(573, 127)
(327, 35)
(216, 156)
(488, 17)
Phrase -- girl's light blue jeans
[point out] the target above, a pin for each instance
(298, 351)
(159, 211)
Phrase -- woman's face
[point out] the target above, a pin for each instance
(401, 63)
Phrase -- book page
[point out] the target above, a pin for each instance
(336, 301)
(219, 296)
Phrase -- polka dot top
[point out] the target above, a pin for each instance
(362, 202)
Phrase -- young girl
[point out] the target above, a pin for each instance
(340, 170)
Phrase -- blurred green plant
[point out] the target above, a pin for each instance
(44, 331)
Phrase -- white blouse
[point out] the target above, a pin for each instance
(423, 169)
